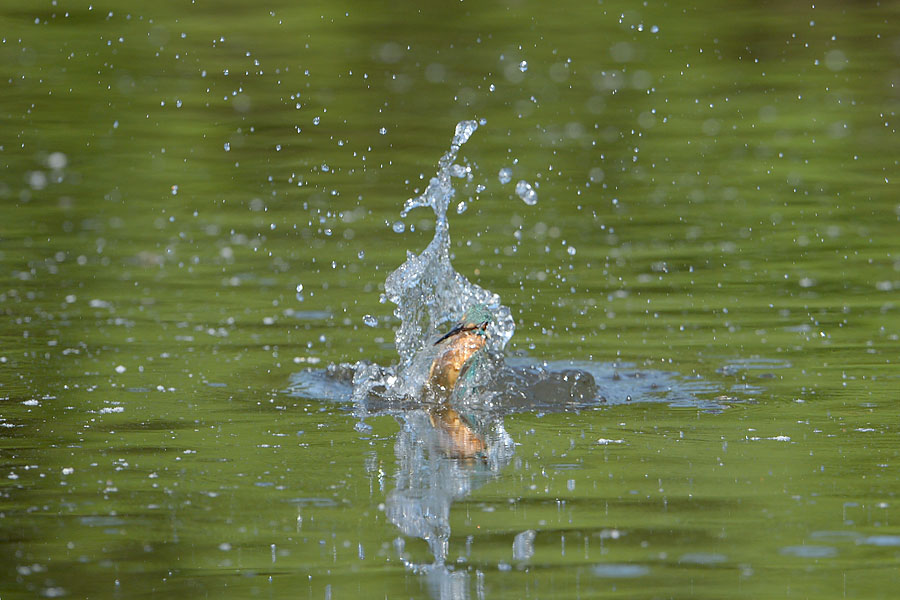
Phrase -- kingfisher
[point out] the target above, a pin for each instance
(458, 347)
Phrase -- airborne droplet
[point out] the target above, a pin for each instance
(526, 193)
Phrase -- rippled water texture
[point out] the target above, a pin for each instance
(684, 218)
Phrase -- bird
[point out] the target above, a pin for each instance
(459, 348)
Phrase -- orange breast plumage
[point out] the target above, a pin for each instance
(452, 359)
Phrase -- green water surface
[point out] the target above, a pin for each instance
(718, 198)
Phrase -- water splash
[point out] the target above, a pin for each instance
(427, 290)
(449, 447)
(429, 293)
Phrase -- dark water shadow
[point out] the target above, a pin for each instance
(525, 385)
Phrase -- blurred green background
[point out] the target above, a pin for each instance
(199, 199)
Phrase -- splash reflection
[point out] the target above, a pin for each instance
(431, 475)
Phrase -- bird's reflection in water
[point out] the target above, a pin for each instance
(450, 444)
(441, 458)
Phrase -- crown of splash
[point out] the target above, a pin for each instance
(426, 289)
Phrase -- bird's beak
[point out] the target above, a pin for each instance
(456, 329)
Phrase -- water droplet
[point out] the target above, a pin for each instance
(571, 250)
(526, 193)
(464, 130)
(174, 190)
(458, 171)
(361, 254)
(383, 131)
(370, 321)
(505, 175)
(315, 120)
(227, 146)
(300, 292)
(57, 160)
(523, 66)
(461, 207)
(399, 227)
(835, 60)
(37, 180)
